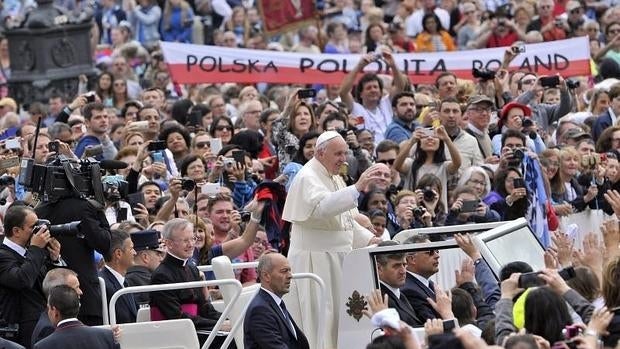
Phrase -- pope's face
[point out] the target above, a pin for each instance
(334, 155)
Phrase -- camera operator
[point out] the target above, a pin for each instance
(78, 249)
(115, 190)
(408, 214)
(26, 254)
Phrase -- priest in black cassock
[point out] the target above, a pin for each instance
(178, 235)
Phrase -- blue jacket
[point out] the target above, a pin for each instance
(398, 131)
(145, 22)
(177, 30)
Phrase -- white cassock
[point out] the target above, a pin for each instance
(321, 209)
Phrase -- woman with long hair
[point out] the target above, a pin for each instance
(305, 152)
(295, 122)
(434, 38)
(104, 89)
(223, 129)
(550, 164)
(375, 34)
(509, 198)
(429, 157)
(120, 94)
(176, 23)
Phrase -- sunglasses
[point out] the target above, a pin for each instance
(222, 128)
(386, 161)
(201, 145)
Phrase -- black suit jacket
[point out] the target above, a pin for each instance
(602, 122)
(126, 309)
(78, 253)
(21, 295)
(6, 344)
(402, 306)
(265, 326)
(416, 294)
(43, 328)
(74, 335)
(173, 270)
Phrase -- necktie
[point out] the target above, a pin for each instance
(288, 317)
(431, 286)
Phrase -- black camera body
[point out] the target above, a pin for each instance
(57, 230)
(418, 212)
(63, 178)
(572, 84)
(429, 194)
(483, 74)
(188, 184)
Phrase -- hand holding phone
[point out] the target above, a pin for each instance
(527, 280)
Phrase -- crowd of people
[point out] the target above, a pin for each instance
(209, 165)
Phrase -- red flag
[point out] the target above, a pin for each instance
(286, 15)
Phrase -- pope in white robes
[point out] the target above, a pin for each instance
(321, 209)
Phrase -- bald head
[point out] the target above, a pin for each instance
(275, 273)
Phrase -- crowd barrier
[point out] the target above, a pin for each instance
(587, 221)
(183, 285)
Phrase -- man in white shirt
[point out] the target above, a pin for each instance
(117, 261)
(370, 101)
(323, 231)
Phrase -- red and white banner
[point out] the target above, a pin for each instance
(212, 64)
(286, 15)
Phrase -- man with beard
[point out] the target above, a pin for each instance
(402, 126)
(97, 124)
(450, 116)
(370, 102)
(220, 212)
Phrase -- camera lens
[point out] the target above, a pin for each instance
(429, 195)
(418, 212)
(188, 184)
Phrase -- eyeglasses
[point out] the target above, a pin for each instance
(576, 10)
(386, 161)
(475, 181)
(528, 81)
(481, 109)
(545, 6)
(222, 128)
(201, 145)
(431, 252)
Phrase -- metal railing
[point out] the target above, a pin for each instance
(235, 266)
(184, 285)
(104, 302)
(322, 303)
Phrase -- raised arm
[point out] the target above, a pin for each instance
(455, 154)
(347, 83)
(235, 247)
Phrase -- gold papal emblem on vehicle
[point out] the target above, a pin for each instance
(356, 305)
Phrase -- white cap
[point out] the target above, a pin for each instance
(326, 137)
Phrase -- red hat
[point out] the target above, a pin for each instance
(504, 113)
(526, 110)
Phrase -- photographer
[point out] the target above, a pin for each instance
(115, 190)
(78, 248)
(233, 174)
(516, 116)
(25, 256)
(468, 208)
(407, 214)
(531, 91)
